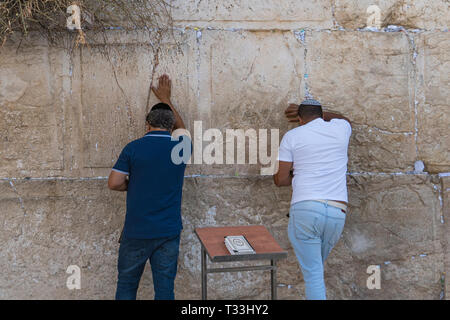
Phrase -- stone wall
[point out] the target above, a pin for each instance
(66, 115)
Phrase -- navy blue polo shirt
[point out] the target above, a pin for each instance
(155, 186)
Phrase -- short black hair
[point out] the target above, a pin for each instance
(161, 116)
(161, 105)
(306, 111)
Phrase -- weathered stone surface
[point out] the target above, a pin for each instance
(30, 119)
(52, 224)
(433, 100)
(370, 150)
(252, 91)
(254, 13)
(445, 191)
(392, 217)
(416, 277)
(247, 91)
(207, 203)
(366, 77)
(420, 14)
(66, 114)
(216, 84)
(115, 90)
(394, 222)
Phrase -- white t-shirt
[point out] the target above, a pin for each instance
(318, 151)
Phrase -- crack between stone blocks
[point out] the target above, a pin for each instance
(336, 24)
(370, 127)
(439, 190)
(64, 98)
(414, 54)
(412, 257)
(53, 178)
(393, 29)
(154, 66)
(293, 58)
(300, 35)
(127, 104)
(227, 176)
(419, 196)
(362, 173)
(251, 70)
(22, 206)
(198, 36)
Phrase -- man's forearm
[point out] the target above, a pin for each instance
(122, 187)
(179, 123)
(327, 116)
(287, 181)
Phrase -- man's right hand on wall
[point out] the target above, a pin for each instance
(291, 112)
(163, 91)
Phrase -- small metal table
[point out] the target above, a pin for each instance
(265, 246)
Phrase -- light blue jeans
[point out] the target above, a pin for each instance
(314, 229)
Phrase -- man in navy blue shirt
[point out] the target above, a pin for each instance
(154, 191)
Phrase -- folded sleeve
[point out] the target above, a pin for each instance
(123, 162)
(285, 152)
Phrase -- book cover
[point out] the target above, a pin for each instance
(238, 245)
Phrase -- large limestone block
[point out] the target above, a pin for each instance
(445, 189)
(247, 80)
(50, 225)
(366, 76)
(115, 83)
(30, 119)
(252, 77)
(374, 151)
(415, 278)
(254, 13)
(420, 14)
(12, 211)
(394, 222)
(229, 202)
(433, 102)
(392, 217)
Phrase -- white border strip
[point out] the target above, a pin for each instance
(127, 173)
(158, 135)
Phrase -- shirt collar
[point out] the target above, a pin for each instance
(158, 133)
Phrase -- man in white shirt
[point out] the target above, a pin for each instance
(313, 159)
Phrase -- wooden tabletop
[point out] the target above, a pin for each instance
(265, 246)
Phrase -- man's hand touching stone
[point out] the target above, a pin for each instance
(163, 90)
(291, 113)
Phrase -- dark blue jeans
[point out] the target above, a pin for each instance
(163, 257)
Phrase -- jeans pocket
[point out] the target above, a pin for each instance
(170, 247)
(132, 252)
(305, 226)
(336, 234)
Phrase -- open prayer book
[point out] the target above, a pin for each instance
(238, 245)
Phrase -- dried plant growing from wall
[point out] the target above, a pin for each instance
(49, 16)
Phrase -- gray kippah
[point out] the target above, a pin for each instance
(311, 102)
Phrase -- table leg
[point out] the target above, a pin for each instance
(273, 279)
(204, 275)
